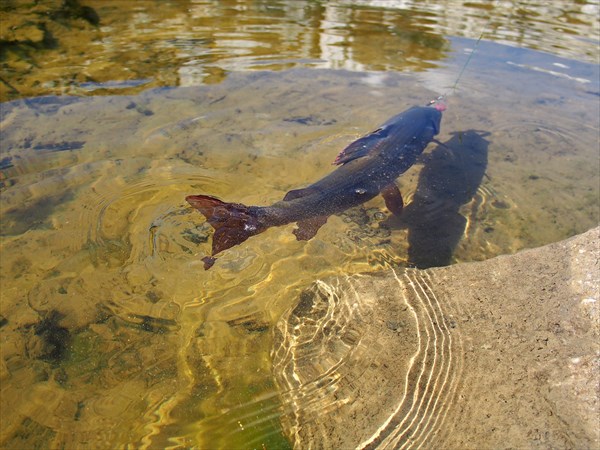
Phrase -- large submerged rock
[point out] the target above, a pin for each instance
(496, 354)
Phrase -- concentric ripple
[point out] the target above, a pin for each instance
(380, 353)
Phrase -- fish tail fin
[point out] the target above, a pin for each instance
(233, 222)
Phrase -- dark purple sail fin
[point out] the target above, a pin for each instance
(309, 227)
(361, 147)
(298, 193)
(393, 198)
(233, 223)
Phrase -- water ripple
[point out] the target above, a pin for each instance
(349, 339)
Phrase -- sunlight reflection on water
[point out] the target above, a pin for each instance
(186, 43)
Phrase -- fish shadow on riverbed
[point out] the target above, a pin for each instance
(449, 179)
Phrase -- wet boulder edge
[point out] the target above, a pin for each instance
(499, 353)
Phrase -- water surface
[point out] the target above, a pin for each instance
(112, 332)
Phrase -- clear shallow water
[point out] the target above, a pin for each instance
(113, 334)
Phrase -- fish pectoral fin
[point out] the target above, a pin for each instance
(393, 198)
(309, 227)
(298, 193)
(445, 147)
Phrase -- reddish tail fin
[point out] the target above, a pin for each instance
(233, 222)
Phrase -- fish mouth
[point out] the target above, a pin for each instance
(439, 103)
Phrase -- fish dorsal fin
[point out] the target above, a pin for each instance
(362, 146)
(298, 193)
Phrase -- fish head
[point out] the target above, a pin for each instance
(436, 120)
(429, 118)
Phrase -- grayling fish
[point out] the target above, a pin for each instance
(369, 166)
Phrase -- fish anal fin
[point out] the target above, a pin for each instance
(298, 193)
(309, 227)
(393, 198)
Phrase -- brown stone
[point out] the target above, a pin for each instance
(495, 354)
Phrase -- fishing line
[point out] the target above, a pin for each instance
(469, 58)
(483, 31)
(440, 102)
